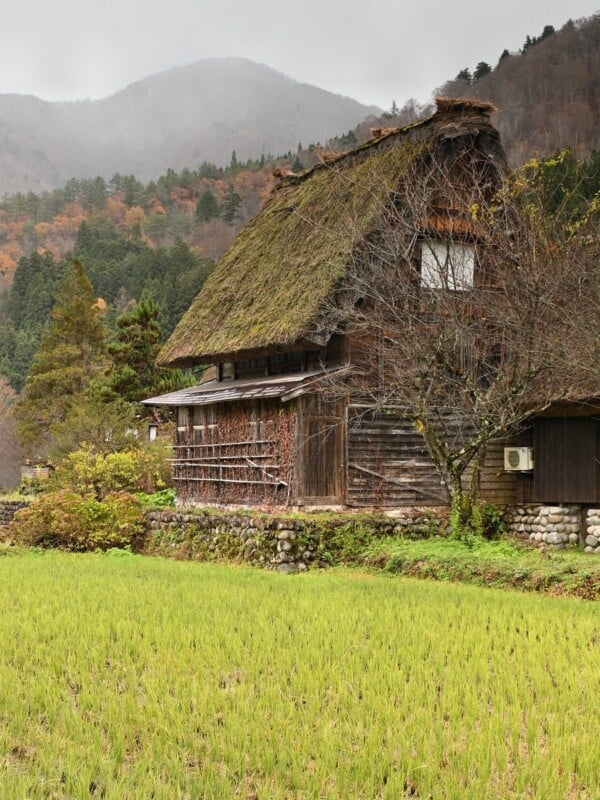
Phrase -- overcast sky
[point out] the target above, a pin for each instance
(372, 50)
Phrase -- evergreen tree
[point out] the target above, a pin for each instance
(134, 192)
(482, 69)
(133, 373)
(464, 75)
(231, 204)
(529, 42)
(207, 207)
(103, 425)
(71, 352)
(209, 170)
(33, 270)
(17, 349)
(548, 31)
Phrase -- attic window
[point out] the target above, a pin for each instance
(447, 265)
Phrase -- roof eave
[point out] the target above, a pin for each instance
(315, 342)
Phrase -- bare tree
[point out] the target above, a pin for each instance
(460, 297)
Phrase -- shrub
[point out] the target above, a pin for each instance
(144, 469)
(344, 544)
(72, 521)
(493, 522)
(163, 498)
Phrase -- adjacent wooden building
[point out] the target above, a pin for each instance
(269, 425)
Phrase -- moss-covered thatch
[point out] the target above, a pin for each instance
(271, 288)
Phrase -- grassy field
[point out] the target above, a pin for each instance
(131, 677)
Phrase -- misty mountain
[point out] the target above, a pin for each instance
(179, 118)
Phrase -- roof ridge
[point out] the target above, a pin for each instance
(447, 107)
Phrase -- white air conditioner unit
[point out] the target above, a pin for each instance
(518, 459)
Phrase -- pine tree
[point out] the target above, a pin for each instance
(231, 204)
(71, 352)
(207, 207)
(133, 374)
(482, 69)
(548, 31)
(529, 42)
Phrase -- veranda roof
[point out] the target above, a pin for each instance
(285, 387)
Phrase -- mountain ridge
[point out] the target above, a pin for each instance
(173, 119)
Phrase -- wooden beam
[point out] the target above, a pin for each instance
(230, 480)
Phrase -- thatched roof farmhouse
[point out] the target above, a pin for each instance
(270, 323)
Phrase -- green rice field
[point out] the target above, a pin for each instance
(134, 677)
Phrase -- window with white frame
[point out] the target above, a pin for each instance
(447, 265)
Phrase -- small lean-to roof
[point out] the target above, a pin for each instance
(284, 387)
(272, 287)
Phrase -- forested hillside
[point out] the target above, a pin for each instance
(203, 207)
(548, 97)
(158, 240)
(121, 270)
(548, 94)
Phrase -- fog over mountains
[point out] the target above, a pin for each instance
(174, 119)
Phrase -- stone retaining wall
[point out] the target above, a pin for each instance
(8, 509)
(286, 544)
(292, 543)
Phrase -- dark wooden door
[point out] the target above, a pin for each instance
(565, 452)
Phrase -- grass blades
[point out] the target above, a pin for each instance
(136, 677)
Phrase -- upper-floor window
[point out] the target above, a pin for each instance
(270, 365)
(447, 265)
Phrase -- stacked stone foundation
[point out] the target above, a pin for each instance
(556, 526)
(592, 530)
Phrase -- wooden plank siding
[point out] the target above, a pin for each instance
(388, 465)
(497, 486)
(314, 451)
(566, 456)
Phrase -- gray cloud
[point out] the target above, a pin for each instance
(374, 51)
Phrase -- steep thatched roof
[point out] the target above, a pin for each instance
(271, 288)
